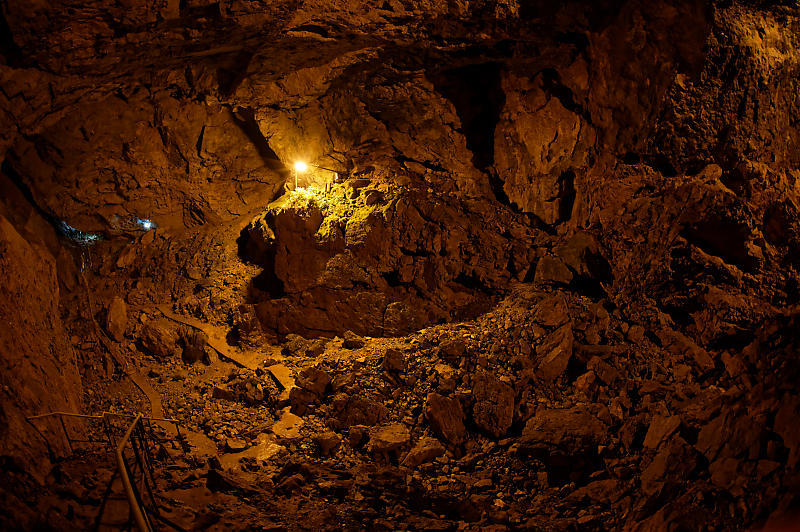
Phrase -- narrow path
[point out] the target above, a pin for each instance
(216, 339)
(141, 382)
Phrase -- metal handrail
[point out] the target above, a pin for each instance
(136, 437)
(137, 509)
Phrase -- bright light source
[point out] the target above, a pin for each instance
(147, 224)
(300, 166)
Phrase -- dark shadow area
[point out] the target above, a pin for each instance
(246, 120)
(722, 238)
(477, 94)
(231, 76)
(254, 250)
(12, 54)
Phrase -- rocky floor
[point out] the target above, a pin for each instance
(551, 411)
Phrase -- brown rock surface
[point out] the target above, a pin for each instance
(446, 417)
(493, 409)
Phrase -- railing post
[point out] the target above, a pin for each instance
(66, 434)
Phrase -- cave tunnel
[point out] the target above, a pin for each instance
(391, 265)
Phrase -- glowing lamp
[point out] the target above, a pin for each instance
(300, 166)
(147, 224)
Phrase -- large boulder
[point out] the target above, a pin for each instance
(117, 318)
(159, 337)
(493, 410)
(446, 417)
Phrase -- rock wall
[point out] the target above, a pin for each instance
(39, 368)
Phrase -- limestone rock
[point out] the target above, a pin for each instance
(288, 426)
(389, 438)
(493, 410)
(554, 353)
(552, 270)
(159, 338)
(446, 417)
(117, 319)
(423, 451)
(581, 253)
(661, 428)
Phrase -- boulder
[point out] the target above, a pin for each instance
(389, 438)
(551, 311)
(349, 411)
(352, 341)
(551, 270)
(493, 410)
(672, 465)
(446, 417)
(314, 380)
(194, 342)
(394, 361)
(159, 338)
(327, 442)
(574, 431)
(423, 451)
(117, 319)
(554, 353)
(661, 428)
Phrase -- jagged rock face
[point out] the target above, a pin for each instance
(380, 262)
(39, 371)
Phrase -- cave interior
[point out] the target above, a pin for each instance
(400, 265)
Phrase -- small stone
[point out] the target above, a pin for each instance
(394, 361)
(352, 341)
(373, 196)
(327, 442)
(235, 445)
(356, 435)
(635, 334)
(222, 393)
(483, 484)
(604, 371)
(389, 438)
(452, 349)
(285, 379)
(425, 450)
(587, 383)
(295, 345)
